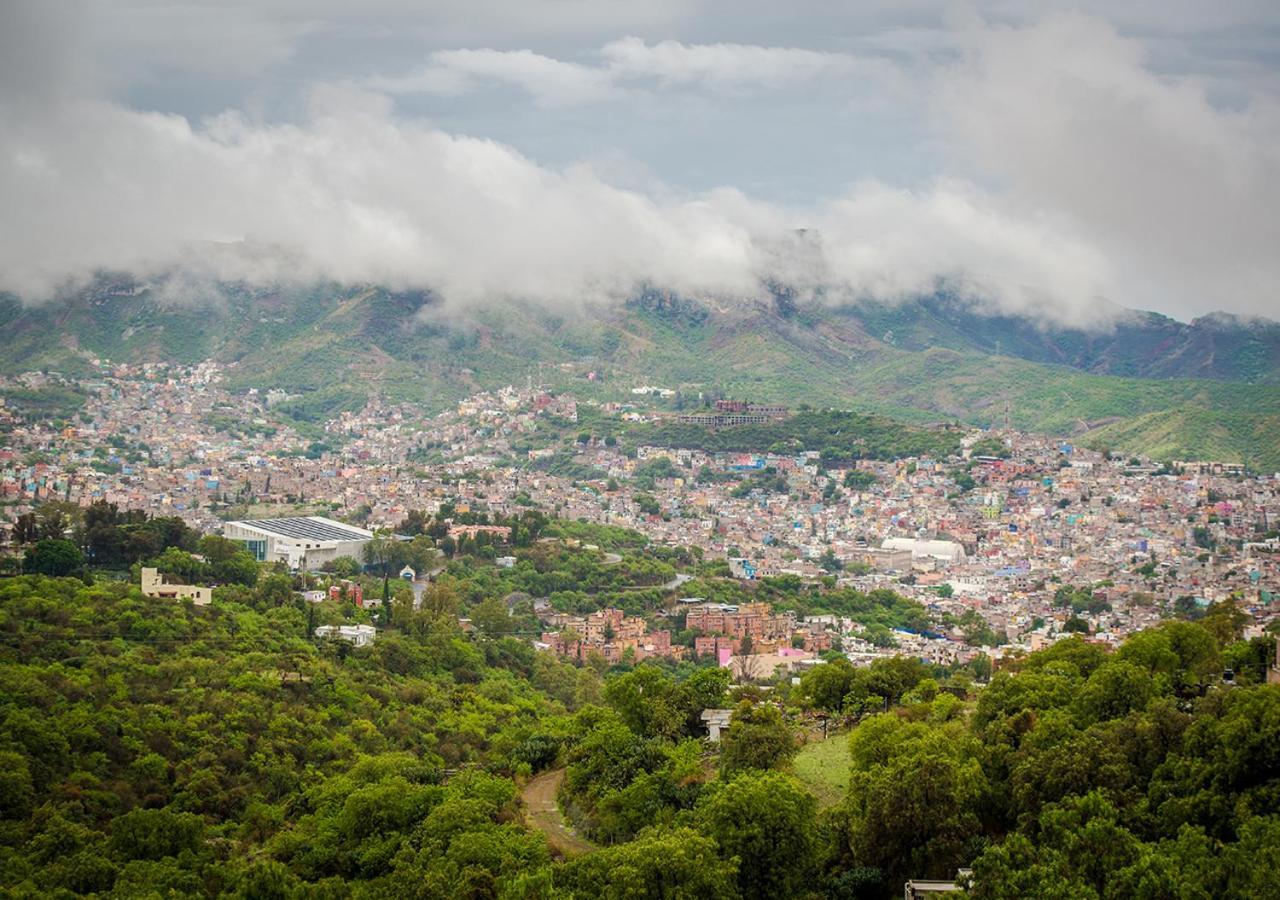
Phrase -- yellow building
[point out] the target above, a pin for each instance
(154, 585)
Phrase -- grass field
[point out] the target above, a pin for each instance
(823, 768)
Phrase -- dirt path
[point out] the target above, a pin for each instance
(542, 813)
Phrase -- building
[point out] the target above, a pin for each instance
(155, 585)
(735, 412)
(883, 559)
(349, 590)
(500, 533)
(716, 720)
(360, 635)
(917, 889)
(943, 551)
(302, 542)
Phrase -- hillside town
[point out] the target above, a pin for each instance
(1012, 543)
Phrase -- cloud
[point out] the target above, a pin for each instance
(632, 64)
(1180, 195)
(1076, 176)
(672, 63)
(356, 196)
(351, 195)
(551, 81)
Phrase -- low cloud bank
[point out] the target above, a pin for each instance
(1100, 184)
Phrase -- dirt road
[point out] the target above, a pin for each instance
(542, 813)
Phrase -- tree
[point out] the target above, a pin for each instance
(1113, 690)
(830, 562)
(858, 479)
(54, 520)
(1015, 869)
(825, 686)
(53, 556)
(680, 864)
(766, 821)
(704, 689)
(384, 554)
(1183, 652)
(276, 590)
(914, 796)
(440, 600)
(1225, 621)
(180, 564)
(26, 530)
(648, 701)
(155, 833)
(757, 738)
(229, 561)
(491, 618)
(342, 566)
(414, 523)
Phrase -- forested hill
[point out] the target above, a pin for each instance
(151, 748)
(1147, 384)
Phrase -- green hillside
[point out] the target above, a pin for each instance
(1217, 347)
(921, 362)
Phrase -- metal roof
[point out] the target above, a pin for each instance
(309, 528)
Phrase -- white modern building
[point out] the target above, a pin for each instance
(301, 542)
(360, 635)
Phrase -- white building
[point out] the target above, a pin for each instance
(945, 551)
(360, 635)
(309, 541)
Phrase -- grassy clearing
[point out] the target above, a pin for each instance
(823, 768)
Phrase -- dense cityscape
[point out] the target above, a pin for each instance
(1013, 542)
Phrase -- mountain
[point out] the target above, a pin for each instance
(1148, 384)
(1135, 344)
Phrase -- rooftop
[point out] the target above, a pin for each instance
(315, 528)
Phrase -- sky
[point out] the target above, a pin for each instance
(1052, 161)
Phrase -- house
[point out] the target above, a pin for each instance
(155, 585)
(359, 635)
(919, 890)
(496, 532)
(353, 592)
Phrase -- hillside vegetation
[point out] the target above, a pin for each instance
(1207, 390)
(152, 747)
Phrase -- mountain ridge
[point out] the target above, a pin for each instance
(1208, 388)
